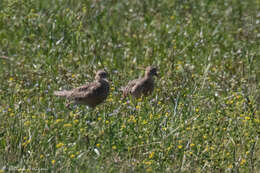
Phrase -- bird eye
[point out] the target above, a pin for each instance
(103, 74)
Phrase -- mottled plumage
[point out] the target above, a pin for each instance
(90, 94)
(142, 86)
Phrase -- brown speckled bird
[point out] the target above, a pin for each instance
(90, 94)
(142, 86)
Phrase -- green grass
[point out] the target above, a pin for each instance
(202, 117)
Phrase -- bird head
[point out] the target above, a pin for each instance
(101, 74)
(151, 71)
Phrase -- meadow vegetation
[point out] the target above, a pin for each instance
(202, 117)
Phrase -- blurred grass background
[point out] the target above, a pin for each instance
(202, 117)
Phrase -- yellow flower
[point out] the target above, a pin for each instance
(76, 121)
(243, 161)
(11, 79)
(67, 125)
(180, 146)
(59, 145)
(99, 118)
(98, 145)
(144, 122)
(41, 156)
(256, 120)
(123, 126)
(27, 123)
(71, 114)
(230, 166)
(26, 143)
(20, 169)
(132, 119)
(53, 162)
(191, 145)
(169, 148)
(110, 99)
(72, 156)
(151, 155)
(137, 107)
(148, 162)
(114, 147)
(59, 120)
(247, 118)
(73, 76)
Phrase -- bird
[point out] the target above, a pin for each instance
(90, 94)
(142, 86)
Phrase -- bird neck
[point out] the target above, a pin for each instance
(101, 80)
(148, 76)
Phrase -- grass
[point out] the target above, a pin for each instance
(203, 116)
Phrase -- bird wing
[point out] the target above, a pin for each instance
(129, 86)
(144, 86)
(82, 88)
(137, 89)
(85, 91)
(64, 93)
